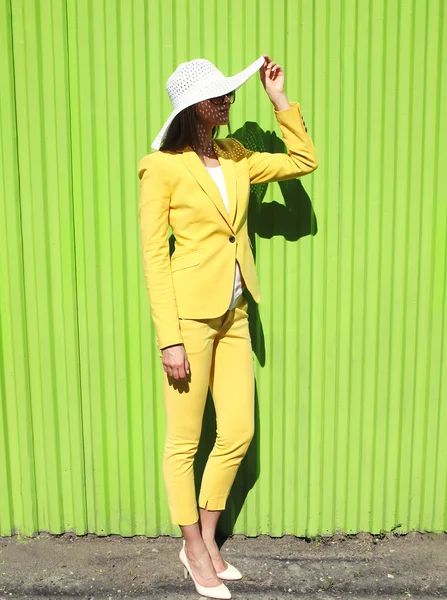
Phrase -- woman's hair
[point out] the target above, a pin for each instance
(183, 131)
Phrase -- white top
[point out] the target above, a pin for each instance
(217, 174)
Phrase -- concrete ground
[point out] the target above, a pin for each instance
(109, 568)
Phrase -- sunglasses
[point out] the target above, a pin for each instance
(221, 99)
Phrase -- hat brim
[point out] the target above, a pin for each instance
(209, 91)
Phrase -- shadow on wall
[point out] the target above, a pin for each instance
(293, 220)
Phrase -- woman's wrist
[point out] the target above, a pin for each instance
(279, 101)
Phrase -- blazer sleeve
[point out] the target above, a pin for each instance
(153, 212)
(300, 160)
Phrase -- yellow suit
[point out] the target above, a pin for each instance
(175, 188)
(190, 296)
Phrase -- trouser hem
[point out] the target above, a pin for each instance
(185, 517)
(213, 503)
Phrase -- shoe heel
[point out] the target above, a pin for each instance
(185, 572)
(219, 591)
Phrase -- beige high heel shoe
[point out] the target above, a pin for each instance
(230, 573)
(221, 592)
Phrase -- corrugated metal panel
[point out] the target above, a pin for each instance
(350, 340)
(17, 495)
(42, 401)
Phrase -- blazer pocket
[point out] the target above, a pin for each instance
(183, 261)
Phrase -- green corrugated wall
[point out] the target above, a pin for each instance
(350, 341)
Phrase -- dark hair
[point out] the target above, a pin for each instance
(183, 132)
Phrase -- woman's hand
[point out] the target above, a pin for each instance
(175, 362)
(272, 78)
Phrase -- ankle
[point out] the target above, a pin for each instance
(195, 546)
(208, 538)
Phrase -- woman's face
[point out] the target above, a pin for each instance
(213, 114)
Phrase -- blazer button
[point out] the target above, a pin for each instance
(232, 238)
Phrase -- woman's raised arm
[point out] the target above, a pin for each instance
(301, 158)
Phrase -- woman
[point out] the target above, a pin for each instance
(200, 186)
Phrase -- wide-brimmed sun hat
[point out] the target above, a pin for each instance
(199, 80)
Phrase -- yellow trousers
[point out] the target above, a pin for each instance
(220, 356)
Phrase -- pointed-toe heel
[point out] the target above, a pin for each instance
(230, 573)
(220, 592)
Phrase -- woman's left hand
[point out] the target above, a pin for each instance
(272, 78)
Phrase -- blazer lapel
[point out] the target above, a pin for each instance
(228, 170)
(206, 182)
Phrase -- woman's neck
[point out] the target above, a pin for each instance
(205, 134)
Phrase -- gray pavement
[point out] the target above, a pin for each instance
(357, 567)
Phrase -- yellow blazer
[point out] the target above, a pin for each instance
(176, 189)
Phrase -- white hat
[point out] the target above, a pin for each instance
(199, 80)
